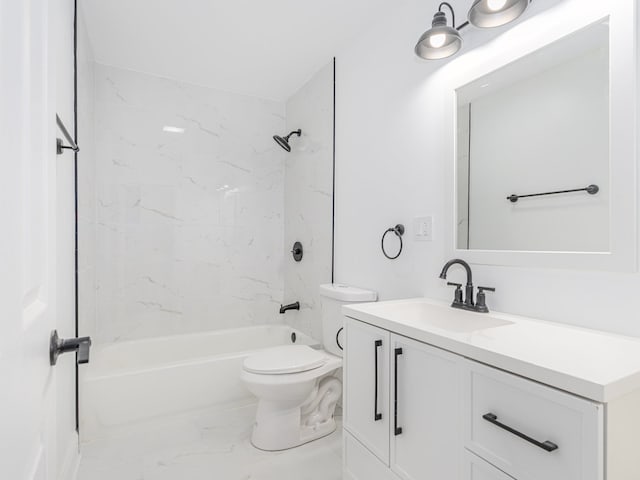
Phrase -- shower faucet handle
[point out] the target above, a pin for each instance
(297, 251)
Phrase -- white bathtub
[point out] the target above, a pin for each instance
(139, 380)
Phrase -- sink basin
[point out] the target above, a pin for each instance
(425, 314)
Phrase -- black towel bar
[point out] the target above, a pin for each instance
(591, 190)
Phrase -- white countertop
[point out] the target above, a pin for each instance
(597, 365)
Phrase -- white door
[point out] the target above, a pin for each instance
(27, 246)
(426, 422)
(366, 379)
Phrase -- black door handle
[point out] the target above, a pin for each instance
(396, 429)
(376, 415)
(58, 345)
(546, 445)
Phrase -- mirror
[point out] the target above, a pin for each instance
(526, 134)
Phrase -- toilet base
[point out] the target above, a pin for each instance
(281, 427)
(306, 435)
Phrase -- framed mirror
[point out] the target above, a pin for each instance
(543, 144)
(533, 151)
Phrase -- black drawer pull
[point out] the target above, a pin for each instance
(546, 445)
(396, 429)
(376, 415)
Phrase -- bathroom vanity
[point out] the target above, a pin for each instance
(437, 393)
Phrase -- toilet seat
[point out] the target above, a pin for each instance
(285, 360)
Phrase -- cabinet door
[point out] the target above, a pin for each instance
(477, 469)
(426, 440)
(366, 380)
(361, 464)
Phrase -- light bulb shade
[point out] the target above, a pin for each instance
(482, 15)
(438, 42)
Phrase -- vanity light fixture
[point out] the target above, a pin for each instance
(441, 40)
(495, 13)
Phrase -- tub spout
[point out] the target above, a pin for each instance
(291, 306)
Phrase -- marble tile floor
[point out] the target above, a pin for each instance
(210, 445)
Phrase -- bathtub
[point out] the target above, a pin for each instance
(133, 381)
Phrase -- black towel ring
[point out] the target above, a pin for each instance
(399, 231)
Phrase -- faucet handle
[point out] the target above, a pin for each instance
(457, 296)
(481, 305)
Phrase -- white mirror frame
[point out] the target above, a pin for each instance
(527, 37)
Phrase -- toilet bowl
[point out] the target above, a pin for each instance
(297, 395)
(298, 387)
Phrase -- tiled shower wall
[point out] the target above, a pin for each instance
(86, 183)
(189, 226)
(308, 199)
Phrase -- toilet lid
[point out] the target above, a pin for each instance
(286, 359)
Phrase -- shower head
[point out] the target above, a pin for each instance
(284, 141)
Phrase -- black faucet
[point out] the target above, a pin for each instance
(291, 306)
(467, 303)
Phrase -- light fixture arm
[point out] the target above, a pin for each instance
(453, 15)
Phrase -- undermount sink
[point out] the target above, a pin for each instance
(423, 313)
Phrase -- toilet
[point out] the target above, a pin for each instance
(296, 385)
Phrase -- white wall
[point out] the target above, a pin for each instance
(391, 166)
(308, 199)
(189, 226)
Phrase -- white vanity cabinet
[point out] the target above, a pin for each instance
(471, 396)
(410, 425)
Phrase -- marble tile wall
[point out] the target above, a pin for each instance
(308, 199)
(86, 183)
(189, 226)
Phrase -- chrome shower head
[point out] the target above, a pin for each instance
(284, 141)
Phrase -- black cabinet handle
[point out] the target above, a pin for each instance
(546, 445)
(376, 415)
(396, 429)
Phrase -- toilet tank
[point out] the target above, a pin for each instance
(333, 296)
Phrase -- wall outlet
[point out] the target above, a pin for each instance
(423, 229)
